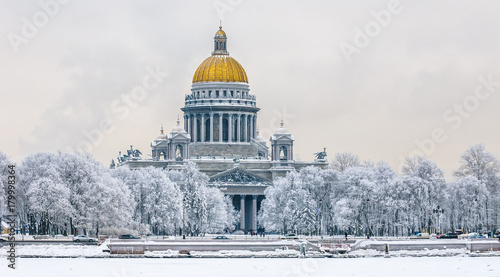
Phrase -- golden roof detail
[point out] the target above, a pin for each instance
(220, 67)
(220, 32)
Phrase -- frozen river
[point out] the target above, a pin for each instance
(208, 267)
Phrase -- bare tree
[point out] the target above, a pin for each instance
(345, 160)
(411, 164)
(478, 163)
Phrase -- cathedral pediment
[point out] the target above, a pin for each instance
(178, 136)
(284, 138)
(159, 143)
(238, 175)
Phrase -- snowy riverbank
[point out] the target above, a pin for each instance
(92, 251)
(408, 267)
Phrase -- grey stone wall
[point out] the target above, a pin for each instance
(262, 168)
(299, 165)
(222, 150)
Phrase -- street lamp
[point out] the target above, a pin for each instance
(320, 217)
(476, 213)
(438, 212)
(366, 213)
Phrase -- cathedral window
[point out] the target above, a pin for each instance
(283, 153)
(178, 153)
(225, 126)
(164, 154)
(198, 130)
(207, 129)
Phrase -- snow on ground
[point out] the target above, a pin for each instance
(56, 250)
(367, 253)
(93, 251)
(212, 242)
(418, 267)
(279, 253)
(364, 243)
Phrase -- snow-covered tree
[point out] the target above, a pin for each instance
(357, 186)
(4, 163)
(477, 162)
(33, 168)
(203, 209)
(485, 167)
(219, 216)
(96, 199)
(425, 181)
(136, 181)
(343, 161)
(163, 203)
(299, 202)
(68, 193)
(467, 203)
(274, 213)
(49, 205)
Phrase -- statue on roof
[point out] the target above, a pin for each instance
(321, 156)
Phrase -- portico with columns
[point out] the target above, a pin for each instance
(248, 206)
(246, 191)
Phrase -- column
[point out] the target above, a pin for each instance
(195, 127)
(254, 212)
(238, 125)
(245, 127)
(254, 123)
(185, 122)
(189, 125)
(203, 127)
(212, 127)
(242, 210)
(229, 127)
(251, 128)
(220, 127)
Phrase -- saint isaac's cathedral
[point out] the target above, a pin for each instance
(220, 134)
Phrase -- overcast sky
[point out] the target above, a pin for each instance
(343, 74)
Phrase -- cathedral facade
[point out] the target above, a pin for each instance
(220, 134)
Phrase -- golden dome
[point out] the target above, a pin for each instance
(220, 32)
(220, 68)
